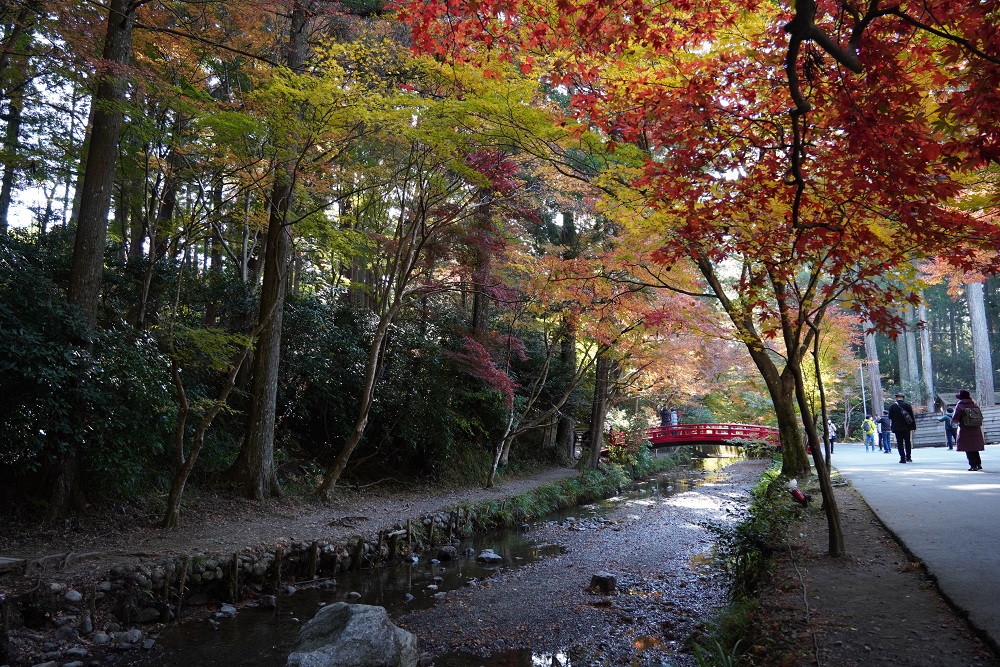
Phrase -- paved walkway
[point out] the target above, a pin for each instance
(946, 516)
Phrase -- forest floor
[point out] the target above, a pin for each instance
(873, 606)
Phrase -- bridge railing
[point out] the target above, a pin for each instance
(700, 433)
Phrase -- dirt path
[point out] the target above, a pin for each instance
(91, 545)
(872, 607)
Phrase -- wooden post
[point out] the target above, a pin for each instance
(181, 582)
(359, 549)
(277, 567)
(430, 533)
(409, 536)
(313, 559)
(234, 578)
(394, 543)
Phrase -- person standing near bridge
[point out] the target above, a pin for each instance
(903, 424)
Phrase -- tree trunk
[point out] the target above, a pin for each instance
(98, 181)
(87, 264)
(375, 355)
(835, 542)
(11, 146)
(874, 373)
(599, 409)
(916, 388)
(184, 461)
(484, 266)
(254, 467)
(501, 446)
(566, 430)
(254, 470)
(981, 356)
(926, 364)
(14, 51)
(905, 382)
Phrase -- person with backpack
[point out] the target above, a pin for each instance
(903, 424)
(868, 428)
(968, 418)
(949, 427)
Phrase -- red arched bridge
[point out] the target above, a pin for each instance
(700, 434)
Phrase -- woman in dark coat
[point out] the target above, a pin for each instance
(970, 438)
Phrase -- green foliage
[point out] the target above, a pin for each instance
(745, 547)
(717, 655)
(745, 550)
(428, 419)
(104, 393)
(754, 448)
(589, 486)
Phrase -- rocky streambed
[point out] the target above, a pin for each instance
(667, 586)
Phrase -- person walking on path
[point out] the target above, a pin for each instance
(903, 424)
(868, 428)
(968, 418)
(885, 432)
(949, 427)
(832, 430)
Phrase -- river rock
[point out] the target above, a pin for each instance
(603, 581)
(87, 625)
(448, 553)
(147, 615)
(346, 635)
(100, 638)
(489, 557)
(73, 596)
(226, 610)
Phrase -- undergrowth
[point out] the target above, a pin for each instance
(589, 486)
(745, 549)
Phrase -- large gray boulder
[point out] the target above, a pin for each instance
(353, 635)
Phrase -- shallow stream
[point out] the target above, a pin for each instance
(263, 637)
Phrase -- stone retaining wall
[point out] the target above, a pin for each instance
(97, 612)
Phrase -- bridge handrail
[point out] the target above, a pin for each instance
(701, 433)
